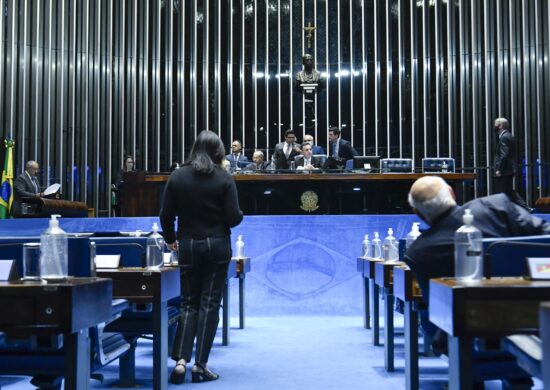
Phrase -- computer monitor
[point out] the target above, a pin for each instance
(368, 163)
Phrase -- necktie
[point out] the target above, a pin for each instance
(33, 179)
(334, 150)
(287, 150)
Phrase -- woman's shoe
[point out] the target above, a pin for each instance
(177, 376)
(201, 374)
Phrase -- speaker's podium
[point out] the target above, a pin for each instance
(44, 207)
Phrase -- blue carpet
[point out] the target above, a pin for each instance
(291, 352)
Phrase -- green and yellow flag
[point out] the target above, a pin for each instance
(6, 188)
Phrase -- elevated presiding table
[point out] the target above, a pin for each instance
(491, 308)
(68, 307)
(143, 286)
(282, 193)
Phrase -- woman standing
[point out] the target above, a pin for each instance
(204, 199)
(129, 166)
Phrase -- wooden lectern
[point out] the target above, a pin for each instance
(42, 207)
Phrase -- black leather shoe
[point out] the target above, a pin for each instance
(177, 376)
(201, 374)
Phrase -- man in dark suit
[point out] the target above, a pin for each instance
(26, 186)
(433, 200)
(315, 149)
(236, 158)
(505, 163)
(259, 163)
(340, 148)
(286, 151)
(307, 160)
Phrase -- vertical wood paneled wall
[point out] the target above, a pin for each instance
(85, 82)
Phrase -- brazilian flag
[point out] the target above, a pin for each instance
(6, 189)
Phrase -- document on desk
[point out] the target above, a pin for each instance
(107, 261)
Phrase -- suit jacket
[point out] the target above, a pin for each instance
(279, 158)
(315, 161)
(241, 163)
(432, 254)
(505, 154)
(345, 150)
(23, 188)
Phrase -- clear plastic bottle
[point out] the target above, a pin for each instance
(444, 167)
(468, 250)
(391, 247)
(377, 247)
(239, 245)
(413, 234)
(54, 261)
(155, 245)
(367, 247)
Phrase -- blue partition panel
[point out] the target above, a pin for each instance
(300, 264)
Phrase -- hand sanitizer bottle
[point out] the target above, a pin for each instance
(413, 234)
(54, 261)
(390, 243)
(155, 245)
(367, 247)
(377, 247)
(468, 250)
(239, 245)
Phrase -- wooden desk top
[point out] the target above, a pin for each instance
(39, 308)
(144, 285)
(321, 176)
(383, 273)
(405, 286)
(487, 308)
(242, 264)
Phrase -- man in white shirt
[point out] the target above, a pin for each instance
(307, 160)
(286, 151)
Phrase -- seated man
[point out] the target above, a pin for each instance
(433, 200)
(307, 160)
(236, 158)
(259, 163)
(286, 151)
(315, 149)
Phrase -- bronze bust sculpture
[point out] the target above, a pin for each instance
(308, 75)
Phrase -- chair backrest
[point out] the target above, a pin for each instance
(349, 165)
(322, 158)
(79, 253)
(131, 249)
(505, 256)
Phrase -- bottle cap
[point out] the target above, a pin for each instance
(375, 235)
(468, 217)
(155, 227)
(366, 237)
(53, 221)
(240, 237)
(390, 232)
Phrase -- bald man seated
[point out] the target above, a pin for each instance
(433, 200)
